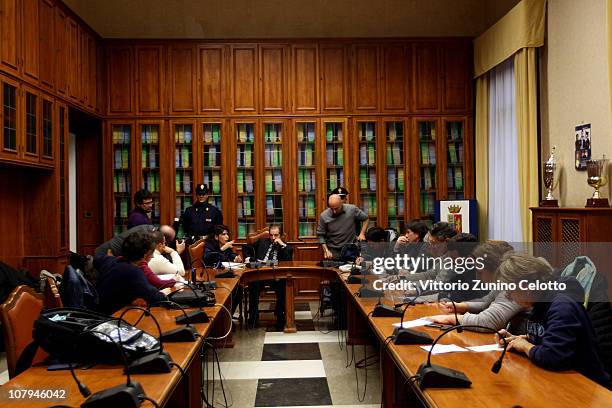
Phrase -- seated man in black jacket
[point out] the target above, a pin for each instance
(271, 250)
(120, 280)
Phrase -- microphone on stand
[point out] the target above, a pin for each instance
(403, 335)
(435, 376)
(448, 295)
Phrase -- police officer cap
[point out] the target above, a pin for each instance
(341, 191)
(201, 189)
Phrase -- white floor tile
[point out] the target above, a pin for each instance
(245, 370)
(301, 337)
(4, 376)
(303, 315)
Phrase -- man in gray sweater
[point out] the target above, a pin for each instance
(337, 226)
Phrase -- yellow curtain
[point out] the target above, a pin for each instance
(525, 73)
(482, 154)
(523, 26)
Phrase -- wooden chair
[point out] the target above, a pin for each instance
(51, 295)
(196, 252)
(253, 237)
(18, 315)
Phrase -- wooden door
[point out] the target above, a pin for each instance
(333, 61)
(366, 88)
(368, 165)
(425, 78)
(212, 78)
(306, 165)
(120, 79)
(457, 85)
(10, 116)
(244, 78)
(31, 124)
(31, 38)
(395, 173)
(182, 75)
(48, 136)
(273, 69)
(305, 78)
(61, 51)
(149, 79)
(10, 35)
(395, 77)
(47, 43)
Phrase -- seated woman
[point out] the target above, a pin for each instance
(493, 310)
(560, 335)
(218, 247)
(120, 280)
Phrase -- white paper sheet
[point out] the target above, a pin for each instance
(413, 323)
(485, 347)
(234, 265)
(444, 348)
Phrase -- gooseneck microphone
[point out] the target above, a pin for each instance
(185, 333)
(435, 376)
(448, 295)
(403, 335)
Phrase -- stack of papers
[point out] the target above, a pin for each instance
(486, 347)
(444, 348)
(413, 323)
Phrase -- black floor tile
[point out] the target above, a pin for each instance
(290, 351)
(292, 391)
(301, 325)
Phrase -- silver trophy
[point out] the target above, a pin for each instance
(549, 180)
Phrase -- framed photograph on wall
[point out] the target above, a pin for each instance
(582, 145)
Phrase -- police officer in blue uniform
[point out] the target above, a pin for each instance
(200, 219)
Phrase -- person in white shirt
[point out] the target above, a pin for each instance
(159, 264)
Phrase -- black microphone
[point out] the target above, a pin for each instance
(448, 296)
(151, 363)
(196, 316)
(186, 333)
(435, 376)
(403, 335)
(127, 395)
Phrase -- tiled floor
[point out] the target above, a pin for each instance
(4, 377)
(304, 369)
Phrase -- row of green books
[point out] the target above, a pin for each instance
(306, 180)
(395, 131)
(335, 155)
(150, 157)
(121, 182)
(307, 229)
(394, 153)
(367, 179)
(306, 155)
(245, 156)
(121, 157)
(244, 229)
(428, 153)
(183, 134)
(455, 178)
(245, 133)
(306, 132)
(307, 207)
(455, 130)
(149, 134)
(428, 203)
(428, 178)
(335, 178)
(212, 134)
(427, 130)
(274, 209)
(182, 157)
(244, 181)
(333, 132)
(121, 207)
(273, 133)
(367, 153)
(212, 156)
(369, 204)
(366, 132)
(455, 153)
(395, 179)
(182, 182)
(273, 156)
(121, 134)
(396, 206)
(246, 206)
(274, 181)
(150, 181)
(213, 179)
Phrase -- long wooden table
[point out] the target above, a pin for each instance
(166, 389)
(519, 383)
(289, 271)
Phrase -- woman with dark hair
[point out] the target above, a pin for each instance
(218, 247)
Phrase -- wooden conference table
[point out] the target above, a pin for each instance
(289, 271)
(167, 389)
(518, 384)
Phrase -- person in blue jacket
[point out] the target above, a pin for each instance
(560, 335)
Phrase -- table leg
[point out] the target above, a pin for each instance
(289, 305)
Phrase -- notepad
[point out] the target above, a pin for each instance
(444, 348)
